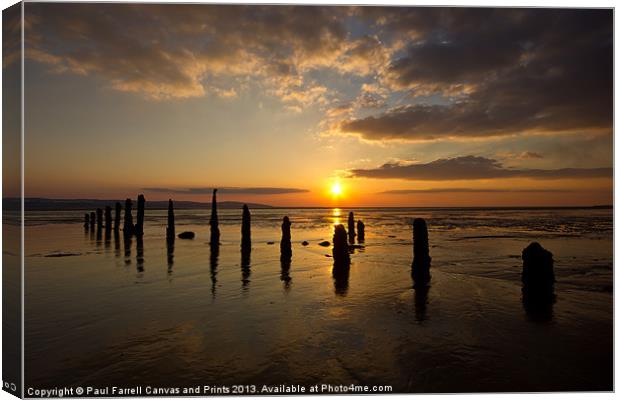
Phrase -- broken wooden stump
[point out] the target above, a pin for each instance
(214, 222)
(170, 232)
(351, 226)
(420, 269)
(117, 216)
(139, 227)
(286, 250)
(108, 218)
(340, 250)
(99, 218)
(246, 230)
(361, 235)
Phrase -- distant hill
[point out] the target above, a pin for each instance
(41, 204)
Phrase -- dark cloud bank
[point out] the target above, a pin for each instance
(507, 70)
(471, 167)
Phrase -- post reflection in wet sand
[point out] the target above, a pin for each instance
(245, 267)
(170, 254)
(285, 267)
(340, 273)
(139, 253)
(538, 306)
(117, 244)
(213, 259)
(127, 242)
(107, 238)
(420, 301)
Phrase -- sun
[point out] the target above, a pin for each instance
(336, 189)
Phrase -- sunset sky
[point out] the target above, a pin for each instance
(277, 104)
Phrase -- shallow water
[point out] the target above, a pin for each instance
(109, 312)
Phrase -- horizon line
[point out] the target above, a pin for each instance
(606, 206)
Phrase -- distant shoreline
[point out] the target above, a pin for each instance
(47, 204)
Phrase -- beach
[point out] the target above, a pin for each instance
(100, 311)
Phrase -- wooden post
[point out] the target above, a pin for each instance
(361, 234)
(420, 270)
(214, 222)
(246, 231)
(351, 226)
(108, 218)
(340, 251)
(117, 216)
(285, 244)
(99, 218)
(170, 232)
(139, 227)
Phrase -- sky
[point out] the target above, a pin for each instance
(396, 106)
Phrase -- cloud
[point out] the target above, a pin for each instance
(471, 190)
(11, 35)
(174, 51)
(472, 168)
(529, 155)
(411, 73)
(229, 190)
(499, 71)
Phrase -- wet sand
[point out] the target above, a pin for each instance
(125, 316)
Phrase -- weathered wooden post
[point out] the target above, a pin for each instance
(342, 261)
(537, 271)
(99, 225)
(213, 257)
(340, 251)
(286, 250)
(117, 244)
(170, 254)
(361, 234)
(351, 226)
(246, 231)
(108, 225)
(128, 224)
(538, 278)
(108, 218)
(99, 218)
(420, 269)
(246, 246)
(86, 221)
(139, 227)
(213, 222)
(170, 232)
(117, 216)
(140, 253)
(93, 219)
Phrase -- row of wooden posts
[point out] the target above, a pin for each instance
(537, 274)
